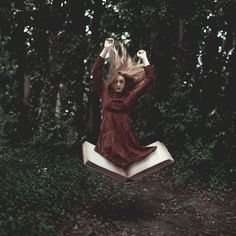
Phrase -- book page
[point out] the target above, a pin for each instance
(156, 160)
(100, 163)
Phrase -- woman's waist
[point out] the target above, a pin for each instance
(116, 112)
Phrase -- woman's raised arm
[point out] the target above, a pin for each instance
(140, 89)
(97, 66)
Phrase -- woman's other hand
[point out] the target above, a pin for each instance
(109, 43)
(143, 55)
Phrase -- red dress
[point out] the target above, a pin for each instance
(117, 141)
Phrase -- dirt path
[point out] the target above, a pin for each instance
(155, 206)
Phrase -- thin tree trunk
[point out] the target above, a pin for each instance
(78, 27)
(22, 107)
(51, 88)
(94, 119)
(180, 47)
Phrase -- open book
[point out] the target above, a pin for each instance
(153, 162)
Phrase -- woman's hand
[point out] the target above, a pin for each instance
(109, 43)
(143, 55)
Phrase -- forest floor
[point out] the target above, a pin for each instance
(41, 195)
(154, 205)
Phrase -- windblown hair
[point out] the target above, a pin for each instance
(121, 63)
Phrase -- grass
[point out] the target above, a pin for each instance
(45, 189)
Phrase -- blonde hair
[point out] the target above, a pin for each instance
(122, 64)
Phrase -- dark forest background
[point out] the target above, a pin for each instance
(49, 106)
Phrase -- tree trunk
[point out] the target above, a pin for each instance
(78, 26)
(94, 119)
(180, 47)
(22, 106)
(50, 88)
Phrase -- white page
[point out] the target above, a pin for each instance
(101, 161)
(160, 155)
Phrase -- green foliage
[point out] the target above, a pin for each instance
(44, 188)
(8, 66)
(189, 108)
(196, 154)
(8, 123)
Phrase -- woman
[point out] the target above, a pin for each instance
(126, 82)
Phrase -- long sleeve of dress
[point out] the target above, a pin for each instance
(97, 74)
(140, 89)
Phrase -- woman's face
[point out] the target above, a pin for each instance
(119, 84)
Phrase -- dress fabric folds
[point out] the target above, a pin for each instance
(117, 141)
